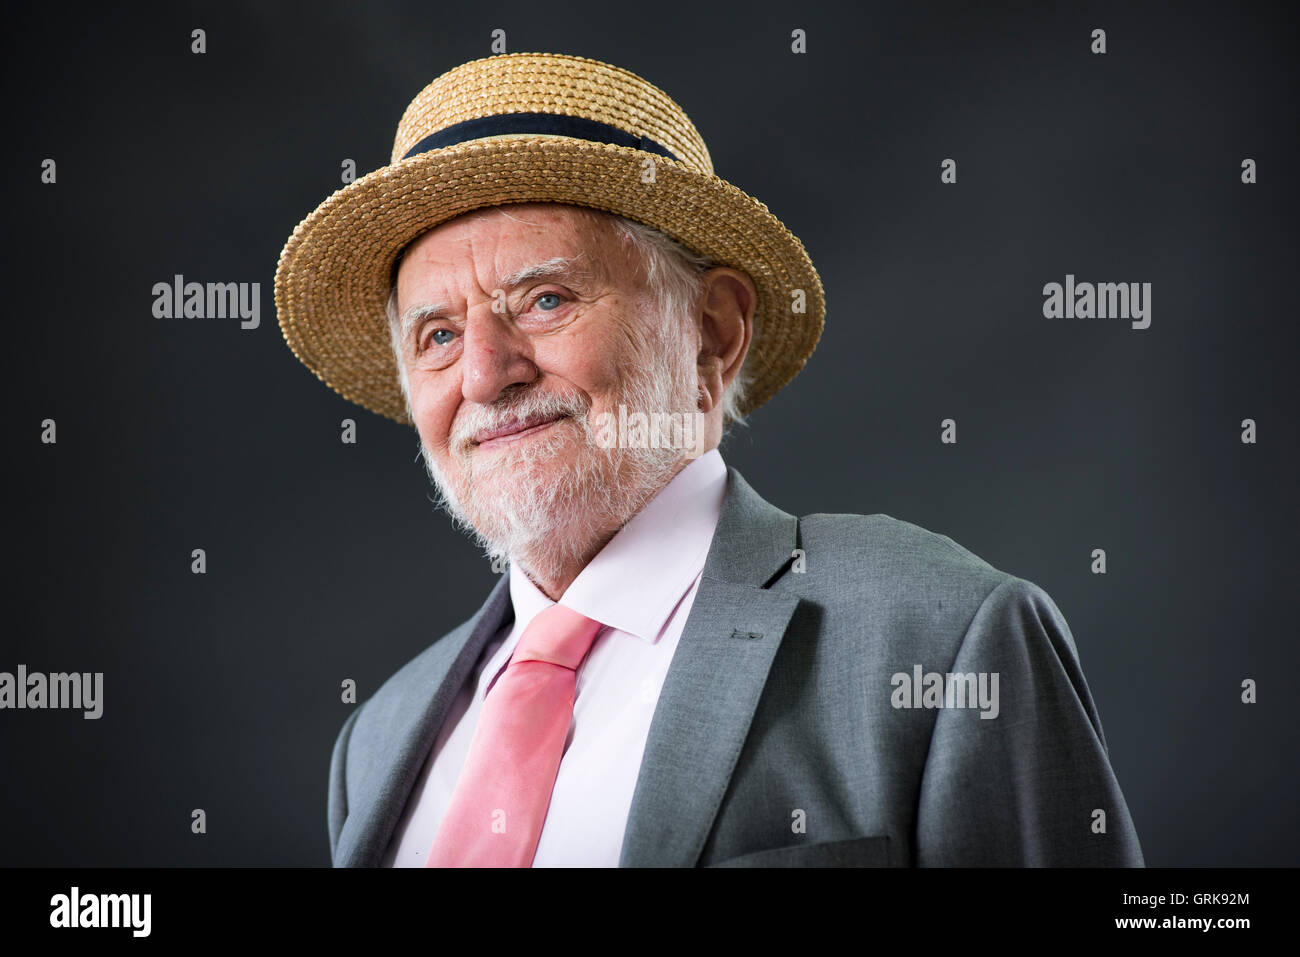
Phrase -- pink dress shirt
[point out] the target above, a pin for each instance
(641, 587)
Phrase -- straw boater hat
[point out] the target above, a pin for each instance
(531, 127)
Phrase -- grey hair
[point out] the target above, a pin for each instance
(674, 282)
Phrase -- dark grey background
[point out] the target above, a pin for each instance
(327, 561)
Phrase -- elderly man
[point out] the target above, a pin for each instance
(674, 672)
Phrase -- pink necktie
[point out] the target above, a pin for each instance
(497, 810)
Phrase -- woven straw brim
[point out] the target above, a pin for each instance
(333, 279)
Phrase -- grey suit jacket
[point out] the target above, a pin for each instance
(780, 737)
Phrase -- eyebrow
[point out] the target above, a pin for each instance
(567, 268)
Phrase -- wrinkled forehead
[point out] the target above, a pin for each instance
(525, 231)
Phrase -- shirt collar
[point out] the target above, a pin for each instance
(637, 580)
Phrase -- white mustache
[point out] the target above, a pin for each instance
(479, 418)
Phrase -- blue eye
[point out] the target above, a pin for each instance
(443, 336)
(549, 295)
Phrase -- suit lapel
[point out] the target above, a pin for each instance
(398, 730)
(713, 683)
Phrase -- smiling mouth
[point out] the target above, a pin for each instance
(514, 431)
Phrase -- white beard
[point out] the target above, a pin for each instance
(517, 511)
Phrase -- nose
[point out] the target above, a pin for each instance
(495, 356)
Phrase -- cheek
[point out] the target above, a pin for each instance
(594, 365)
(434, 407)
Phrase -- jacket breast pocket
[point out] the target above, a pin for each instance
(855, 852)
